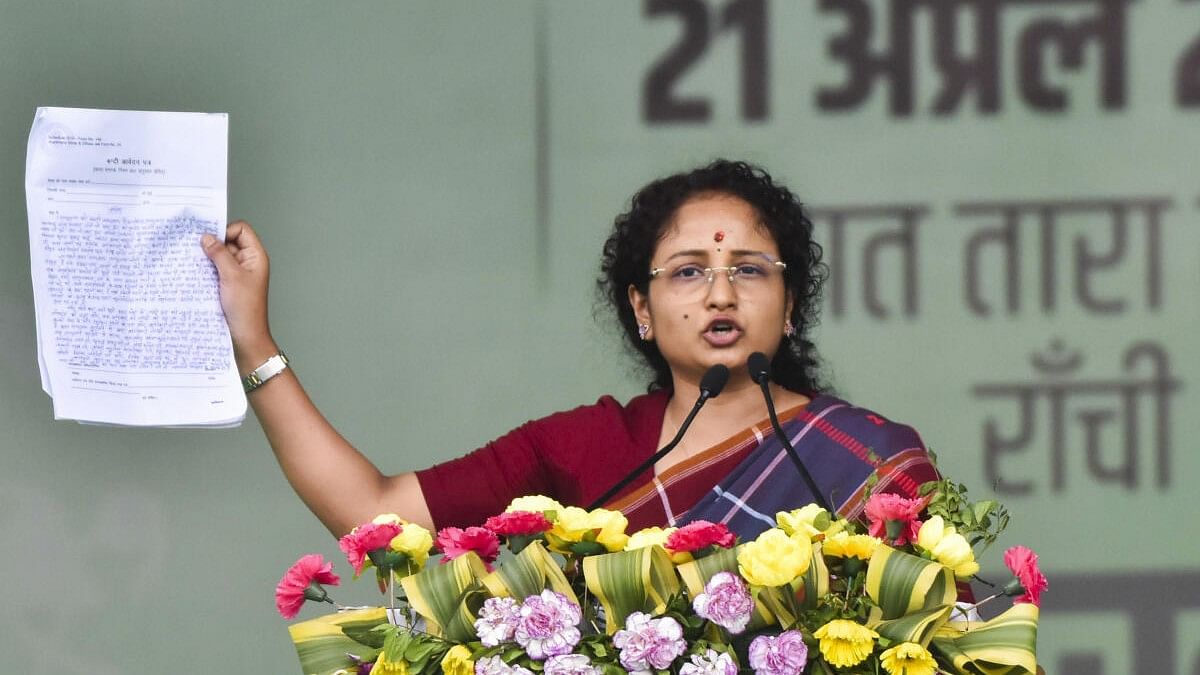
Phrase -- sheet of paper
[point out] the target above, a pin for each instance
(130, 329)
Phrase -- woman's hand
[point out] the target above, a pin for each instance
(244, 272)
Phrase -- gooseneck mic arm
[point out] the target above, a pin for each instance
(760, 372)
(710, 386)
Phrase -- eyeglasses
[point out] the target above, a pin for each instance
(690, 278)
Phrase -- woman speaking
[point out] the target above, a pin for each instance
(705, 268)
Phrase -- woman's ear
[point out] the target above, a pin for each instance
(640, 302)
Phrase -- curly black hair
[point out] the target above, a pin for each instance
(636, 233)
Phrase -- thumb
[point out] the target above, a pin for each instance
(218, 254)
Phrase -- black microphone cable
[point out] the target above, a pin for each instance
(760, 371)
(710, 386)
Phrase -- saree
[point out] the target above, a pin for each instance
(744, 481)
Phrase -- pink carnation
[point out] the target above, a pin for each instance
(497, 621)
(494, 665)
(883, 507)
(364, 539)
(711, 662)
(698, 535)
(783, 654)
(548, 625)
(1024, 565)
(570, 664)
(647, 643)
(454, 542)
(518, 523)
(726, 602)
(303, 582)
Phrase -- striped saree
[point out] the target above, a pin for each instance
(743, 481)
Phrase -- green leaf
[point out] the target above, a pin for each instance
(371, 636)
(641, 580)
(587, 548)
(1006, 644)
(448, 596)
(323, 644)
(418, 649)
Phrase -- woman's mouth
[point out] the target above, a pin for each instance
(722, 333)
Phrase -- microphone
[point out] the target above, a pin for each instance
(710, 386)
(760, 371)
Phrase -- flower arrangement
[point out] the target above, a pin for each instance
(580, 596)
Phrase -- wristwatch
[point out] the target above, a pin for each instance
(270, 368)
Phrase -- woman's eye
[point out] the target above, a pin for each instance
(749, 270)
(688, 272)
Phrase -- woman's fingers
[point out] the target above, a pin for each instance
(240, 234)
(241, 264)
(221, 256)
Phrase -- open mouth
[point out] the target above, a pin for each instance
(722, 332)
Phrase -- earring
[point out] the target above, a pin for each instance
(643, 330)
(788, 329)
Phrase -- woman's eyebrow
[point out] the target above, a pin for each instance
(686, 254)
(699, 252)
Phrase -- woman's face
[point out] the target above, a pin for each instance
(697, 324)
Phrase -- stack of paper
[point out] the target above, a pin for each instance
(129, 322)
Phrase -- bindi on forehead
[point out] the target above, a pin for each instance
(719, 236)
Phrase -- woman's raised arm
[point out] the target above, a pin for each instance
(341, 486)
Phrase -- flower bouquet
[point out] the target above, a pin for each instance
(579, 595)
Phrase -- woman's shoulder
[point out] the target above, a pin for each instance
(638, 419)
(867, 427)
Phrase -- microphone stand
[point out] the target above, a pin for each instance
(711, 385)
(763, 380)
(652, 459)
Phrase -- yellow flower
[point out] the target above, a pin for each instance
(385, 667)
(845, 643)
(908, 658)
(602, 526)
(611, 526)
(656, 536)
(947, 547)
(846, 545)
(809, 521)
(650, 536)
(534, 503)
(415, 542)
(774, 559)
(458, 661)
(388, 519)
(570, 527)
(931, 532)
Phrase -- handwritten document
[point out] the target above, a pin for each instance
(129, 323)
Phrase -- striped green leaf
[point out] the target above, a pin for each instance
(696, 573)
(323, 645)
(914, 596)
(815, 581)
(448, 596)
(529, 573)
(919, 626)
(641, 580)
(1006, 644)
(901, 583)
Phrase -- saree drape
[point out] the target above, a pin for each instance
(743, 481)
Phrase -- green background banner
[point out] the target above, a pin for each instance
(1006, 192)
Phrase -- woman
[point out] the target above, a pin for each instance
(706, 267)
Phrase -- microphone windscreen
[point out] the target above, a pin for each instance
(759, 366)
(714, 380)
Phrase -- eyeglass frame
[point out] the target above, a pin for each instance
(710, 272)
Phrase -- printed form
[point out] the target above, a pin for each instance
(129, 322)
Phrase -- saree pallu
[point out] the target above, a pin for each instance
(744, 481)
